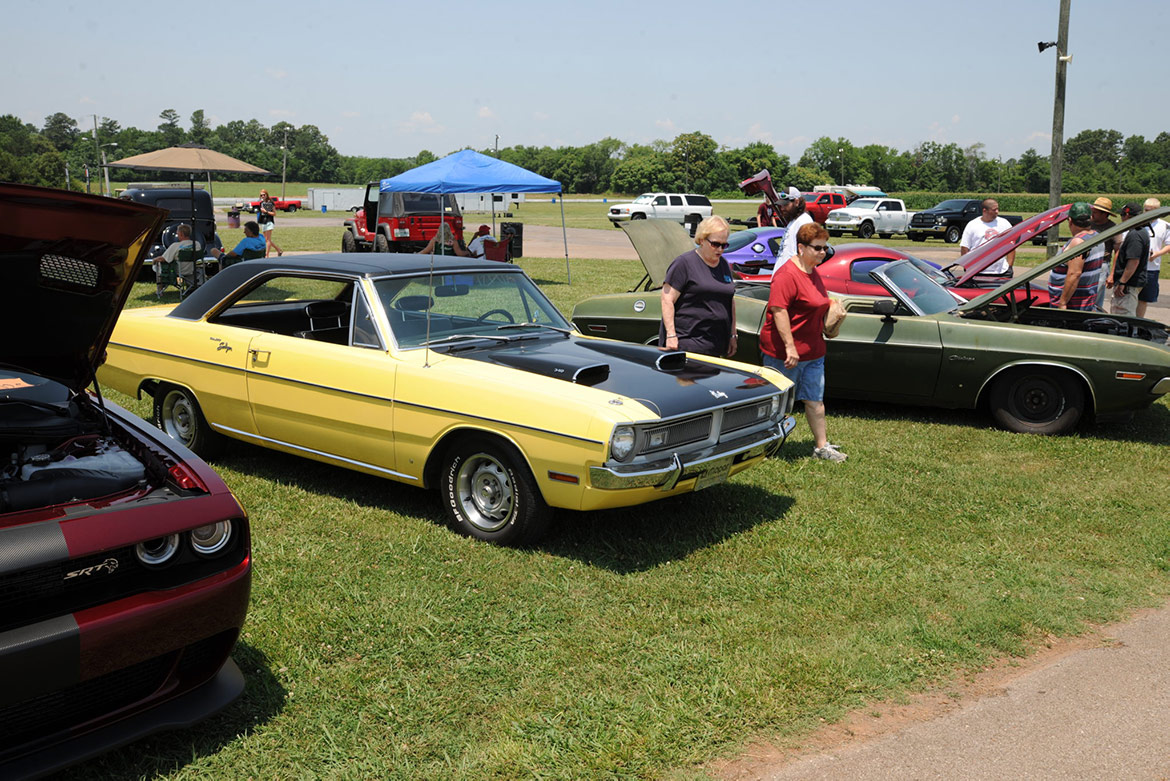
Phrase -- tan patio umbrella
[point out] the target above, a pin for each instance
(189, 159)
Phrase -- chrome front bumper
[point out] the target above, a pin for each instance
(667, 473)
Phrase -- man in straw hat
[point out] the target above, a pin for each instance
(1102, 210)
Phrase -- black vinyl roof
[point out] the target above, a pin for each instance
(349, 264)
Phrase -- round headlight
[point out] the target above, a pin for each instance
(622, 442)
(213, 538)
(158, 551)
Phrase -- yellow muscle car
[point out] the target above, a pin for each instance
(457, 374)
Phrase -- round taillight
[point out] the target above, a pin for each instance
(211, 539)
(157, 551)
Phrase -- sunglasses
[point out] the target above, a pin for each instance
(817, 247)
(719, 244)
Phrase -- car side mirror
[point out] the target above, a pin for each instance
(886, 308)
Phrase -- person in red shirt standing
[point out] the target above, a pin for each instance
(793, 338)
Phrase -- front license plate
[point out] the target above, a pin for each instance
(714, 475)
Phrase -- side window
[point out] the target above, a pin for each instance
(660, 200)
(676, 200)
(838, 200)
(365, 333)
(698, 200)
(859, 271)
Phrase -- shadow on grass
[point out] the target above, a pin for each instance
(1151, 425)
(623, 540)
(634, 539)
(167, 752)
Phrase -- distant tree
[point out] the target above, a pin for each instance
(200, 128)
(172, 134)
(61, 131)
(755, 157)
(1033, 172)
(1099, 146)
(691, 158)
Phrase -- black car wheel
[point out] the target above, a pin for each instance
(381, 244)
(177, 413)
(490, 495)
(292, 208)
(886, 235)
(835, 234)
(348, 242)
(1037, 400)
(916, 236)
(637, 216)
(953, 235)
(866, 230)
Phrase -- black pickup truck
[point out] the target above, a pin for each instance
(948, 219)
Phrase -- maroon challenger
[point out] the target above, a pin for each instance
(125, 562)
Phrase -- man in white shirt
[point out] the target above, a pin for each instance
(982, 230)
(794, 214)
(1159, 246)
(475, 247)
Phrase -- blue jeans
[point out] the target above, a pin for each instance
(808, 377)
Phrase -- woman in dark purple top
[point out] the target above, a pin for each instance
(698, 296)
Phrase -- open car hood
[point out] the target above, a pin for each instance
(978, 260)
(67, 263)
(657, 243)
(1046, 266)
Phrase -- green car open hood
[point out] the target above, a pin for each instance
(1043, 268)
(657, 243)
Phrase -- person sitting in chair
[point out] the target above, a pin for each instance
(447, 237)
(186, 268)
(251, 246)
(476, 246)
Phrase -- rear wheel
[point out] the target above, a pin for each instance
(177, 413)
(1037, 400)
(835, 234)
(381, 244)
(953, 235)
(348, 242)
(292, 208)
(885, 235)
(916, 236)
(866, 230)
(489, 493)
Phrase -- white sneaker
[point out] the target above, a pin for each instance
(829, 453)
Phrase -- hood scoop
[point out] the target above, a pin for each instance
(639, 354)
(562, 367)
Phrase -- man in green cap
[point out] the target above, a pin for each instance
(1073, 284)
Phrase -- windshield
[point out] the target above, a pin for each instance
(913, 286)
(645, 198)
(864, 203)
(956, 204)
(472, 304)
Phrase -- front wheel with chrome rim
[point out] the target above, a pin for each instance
(177, 413)
(489, 494)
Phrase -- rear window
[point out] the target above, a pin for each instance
(698, 200)
(676, 200)
(740, 239)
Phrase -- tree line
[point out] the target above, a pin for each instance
(1094, 160)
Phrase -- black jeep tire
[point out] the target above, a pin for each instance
(1037, 400)
(953, 235)
(865, 230)
(381, 244)
(348, 242)
(489, 494)
(177, 414)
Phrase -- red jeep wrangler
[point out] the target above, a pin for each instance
(399, 222)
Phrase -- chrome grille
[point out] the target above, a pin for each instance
(746, 415)
(674, 434)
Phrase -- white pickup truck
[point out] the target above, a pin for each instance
(867, 216)
(687, 208)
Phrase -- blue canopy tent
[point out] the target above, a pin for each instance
(470, 172)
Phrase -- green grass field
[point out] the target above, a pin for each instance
(644, 642)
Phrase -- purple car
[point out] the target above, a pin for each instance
(751, 250)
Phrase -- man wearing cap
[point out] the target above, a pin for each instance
(983, 229)
(1129, 268)
(793, 212)
(1159, 246)
(1073, 284)
(1102, 211)
(482, 234)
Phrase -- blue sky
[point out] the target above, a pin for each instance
(391, 78)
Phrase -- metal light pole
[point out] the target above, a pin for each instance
(1063, 58)
(1119, 175)
(841, 155)
(106, 168)
(284, 163)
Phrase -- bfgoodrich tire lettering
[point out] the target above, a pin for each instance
(1037, 400)
(488, 493)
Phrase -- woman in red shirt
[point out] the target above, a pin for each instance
(792, 340)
